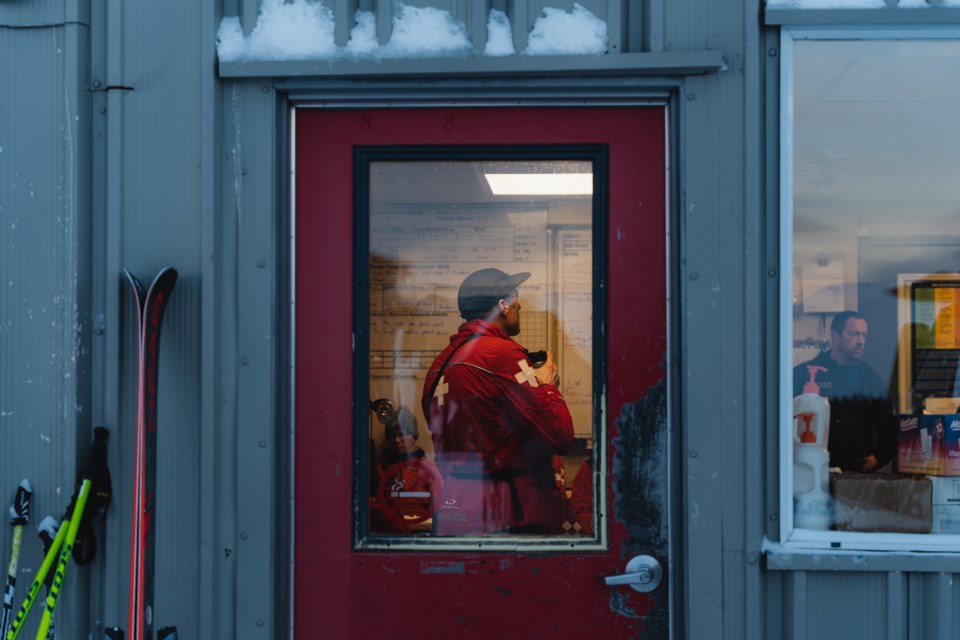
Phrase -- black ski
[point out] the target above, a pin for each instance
(150, 306)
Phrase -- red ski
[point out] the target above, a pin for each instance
(150, 306)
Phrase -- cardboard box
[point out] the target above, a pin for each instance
(946, 505)
(881, 502)
(929, 444)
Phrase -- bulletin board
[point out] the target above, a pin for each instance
(575, 310)
(419, 257)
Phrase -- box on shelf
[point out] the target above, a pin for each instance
(929, 444)
(881, 502)
(946, 505)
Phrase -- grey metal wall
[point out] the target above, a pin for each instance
(106, 138)
(45, 314)
(123, 143)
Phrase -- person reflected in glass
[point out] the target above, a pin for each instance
(408, 481)
(863, 430)
(496, 421)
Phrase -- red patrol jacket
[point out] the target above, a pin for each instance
(495, 431)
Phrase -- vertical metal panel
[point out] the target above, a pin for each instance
(383, 9)
(711, 210)
(214, 590)
(645, 25)
(897, 613)
(344, 12)
(257, 378)
(845, 605)
(153, 127)
(45, 327)
(934, 613)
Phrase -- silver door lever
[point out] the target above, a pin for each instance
(643, 573)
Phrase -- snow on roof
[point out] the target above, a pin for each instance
(304, 30)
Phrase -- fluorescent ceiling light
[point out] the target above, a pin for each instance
(540, 184)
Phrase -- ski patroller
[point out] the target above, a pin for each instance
(19, 516)
(150, 304)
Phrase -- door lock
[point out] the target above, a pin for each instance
(643, 573)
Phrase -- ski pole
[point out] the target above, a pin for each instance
(65, 552)
(38, 581)
(19, 516)
(94, 484)
(47, 530)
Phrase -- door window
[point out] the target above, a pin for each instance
(871, 258)
(477, 311)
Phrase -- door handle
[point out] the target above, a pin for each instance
(643, 573)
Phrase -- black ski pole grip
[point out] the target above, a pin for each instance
(113, 633)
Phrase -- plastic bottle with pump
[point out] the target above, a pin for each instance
(812, 506)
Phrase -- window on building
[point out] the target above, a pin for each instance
(469, 443)
(870, 161)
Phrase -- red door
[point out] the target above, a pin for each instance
(356, 580)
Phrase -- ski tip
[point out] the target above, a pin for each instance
(167, 273)
(25, 485)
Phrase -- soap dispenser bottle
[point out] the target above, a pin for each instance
(812, 505)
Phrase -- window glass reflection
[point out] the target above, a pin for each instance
(876, 258)
(481, 348)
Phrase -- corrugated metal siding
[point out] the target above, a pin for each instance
(187, 180)
(44, 307)
(155, 109)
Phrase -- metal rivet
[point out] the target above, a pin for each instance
(96, 84)
(260, 623)
(261, 263)
(691, 96)
(693, 276)
(772, 272)
(773, 517)
(694, 454)
(772, 52)
(265, 89)
(263, 444)
(243, 535)
(244, 360)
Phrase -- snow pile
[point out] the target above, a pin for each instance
(499, 35)
(559, 32)
(421, 32)
(304, 30)
(285, 30)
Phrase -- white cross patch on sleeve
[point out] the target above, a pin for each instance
(526, 374)
(442, 389)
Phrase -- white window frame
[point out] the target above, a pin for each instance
(805, 540)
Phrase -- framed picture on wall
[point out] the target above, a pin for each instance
(929, 349)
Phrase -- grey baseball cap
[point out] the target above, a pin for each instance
(481, 290)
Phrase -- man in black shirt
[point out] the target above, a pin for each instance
(863, 427)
